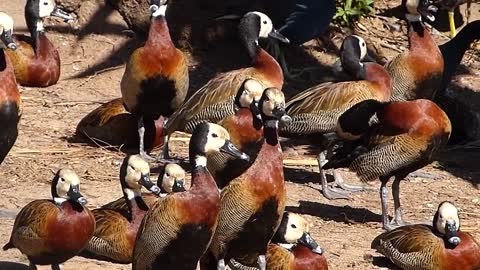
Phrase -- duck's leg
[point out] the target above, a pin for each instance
(262, 262)
(327, 191)
(384, 200)
(341, 183)
(164, 154)
(32, 266)
(398, 219)
(141, 135)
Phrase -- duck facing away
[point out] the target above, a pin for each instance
(215, 100)
(417, 73)
(252, 204)
(112, 124)
(394, 139)
(36, 61)
(114, 237)
(178, 228)
(171, 179)
(10, 102)
(50, 232)
(246, 133)
(316, 110)
(155, 80)
(442, 246)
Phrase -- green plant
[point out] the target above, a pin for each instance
(349, 11)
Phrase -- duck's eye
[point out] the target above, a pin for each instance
(62, 180)
(214, 135)
(294, 226)
(45, 3)
(167, 174)
(264, 22)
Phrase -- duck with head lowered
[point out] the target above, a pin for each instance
(36, 60)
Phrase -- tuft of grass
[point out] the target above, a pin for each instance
(349, 11)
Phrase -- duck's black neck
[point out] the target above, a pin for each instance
(3, 60)
(252, 49)
(34, 29)
(453, 50)
(351, 64)
(270, 131)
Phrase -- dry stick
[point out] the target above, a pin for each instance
(94, 140)
(97, 73)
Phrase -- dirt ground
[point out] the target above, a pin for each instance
(47, 141)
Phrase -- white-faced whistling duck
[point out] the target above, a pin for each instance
(454, 50)
(315, 111)
(155, 81)
(214, 101)
(246, 133)
(442, 246)
(171, 179)
(10, 102)
(112, 124)
(252, 204)
(179, 227)
(49, 232)
(36, 61)
(395, 139)
(114, 237)
(292, 248)
(417, 72)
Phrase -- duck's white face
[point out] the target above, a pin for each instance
(216, 138)
(173, 173)
(67, 179)
(275, 99)
(362, 45)
(45, 8)
(6, 23)
(136, 168)
(447, 213)
(266, 25)
(252, 91)
(296, 227)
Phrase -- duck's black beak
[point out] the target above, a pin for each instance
(75, 195)
(232, 150)
(61, 14)
(178, 186)
(276, 35)
(427, 9)
(308, 241)
(281, 114)
(148, 184)
(7, 38)
(451, 232)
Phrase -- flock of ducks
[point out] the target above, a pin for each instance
(381, 124)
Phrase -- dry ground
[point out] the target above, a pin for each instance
(46, 142)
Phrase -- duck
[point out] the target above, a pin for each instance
(185, 220)
(171, 179)
(394, 139)
(292, 247)
(10, 102)
(252, 204)
(440, 246)
(50, 232)
(214, 101)
(155, 81)
(113, 125)
(417, 72)
(36, 61)
(453, 51)
(116, 231)
(246, 132)
(316, 110)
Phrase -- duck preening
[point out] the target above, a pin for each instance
(441, 246)
(36, 61)
(178, 229)
(10, 102)
(50, 232)
(155, 81)
(394, 139)
(252, 204)
(215, 100)
(316, 110)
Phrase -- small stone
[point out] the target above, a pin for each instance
(430, 205)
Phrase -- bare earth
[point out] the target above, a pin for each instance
(46, 142)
